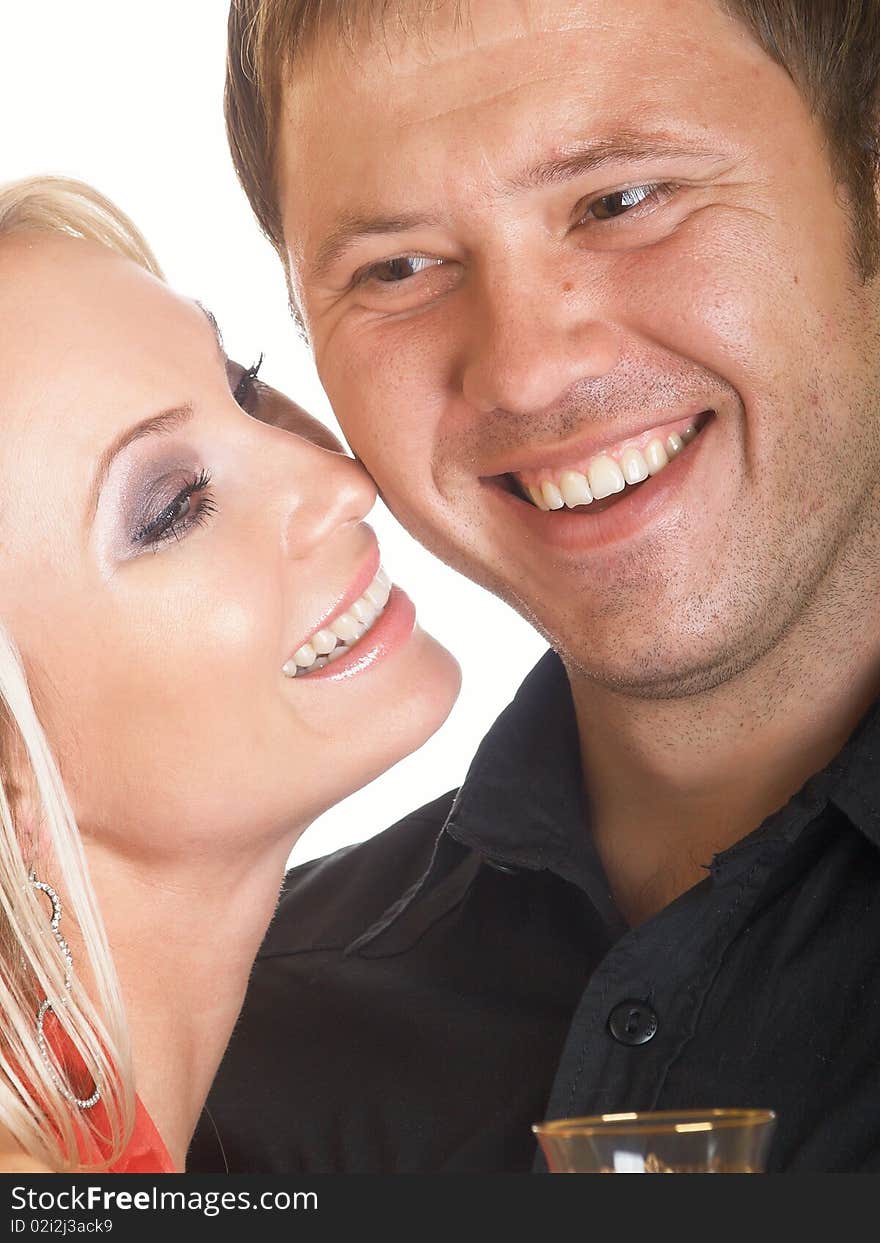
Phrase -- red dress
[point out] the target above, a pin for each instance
(145, 1152)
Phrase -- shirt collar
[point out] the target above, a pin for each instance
(854, 776)
(522, 800)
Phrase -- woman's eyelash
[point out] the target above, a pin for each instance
(245, 386)
(180, 515)
(171, 523)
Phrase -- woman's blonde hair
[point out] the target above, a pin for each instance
(38, 834)
(62, 205)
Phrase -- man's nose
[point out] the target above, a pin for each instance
(327, 492)
(529, 344)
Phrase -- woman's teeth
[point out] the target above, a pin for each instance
(606, 475)
(340, 635)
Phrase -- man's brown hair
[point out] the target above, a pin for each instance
(830, 48)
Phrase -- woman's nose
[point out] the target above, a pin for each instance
(330, 491)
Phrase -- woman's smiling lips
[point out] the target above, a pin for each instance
(369, 620)
(390, 632)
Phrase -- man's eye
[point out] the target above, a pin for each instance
(621, 201)
(393, 271)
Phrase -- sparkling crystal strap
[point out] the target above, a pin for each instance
(46, 1006)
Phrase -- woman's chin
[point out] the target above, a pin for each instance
(409, 700)
(418, 691)
(439, 677)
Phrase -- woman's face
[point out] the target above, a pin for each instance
(164, 557)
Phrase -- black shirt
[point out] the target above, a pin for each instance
(425, 996)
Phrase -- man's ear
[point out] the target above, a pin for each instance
(295, 308)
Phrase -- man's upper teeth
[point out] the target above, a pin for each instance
(605, 474)
(335, 639)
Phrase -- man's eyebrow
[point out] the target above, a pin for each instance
(155, 425)
(586, 157)
(592, 155)
(349, 229)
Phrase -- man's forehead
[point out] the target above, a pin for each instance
(389, 34)
(415, 39)
(361, 165)
(561, 54)
(351, 25)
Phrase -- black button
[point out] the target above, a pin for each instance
(632, 1022)
(500, 867)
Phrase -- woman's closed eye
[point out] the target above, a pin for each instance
(190, 507)
(192, 504)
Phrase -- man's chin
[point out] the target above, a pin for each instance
(654, 676)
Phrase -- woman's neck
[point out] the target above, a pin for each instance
(184, 939)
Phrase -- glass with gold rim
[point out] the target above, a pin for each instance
(705, 1141)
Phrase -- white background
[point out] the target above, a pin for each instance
(128, 96)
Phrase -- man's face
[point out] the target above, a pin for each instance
(531, 251)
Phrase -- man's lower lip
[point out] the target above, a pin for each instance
(388, 635)
(578, 531)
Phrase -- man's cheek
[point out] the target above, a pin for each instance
(393, 440)
(357, 389)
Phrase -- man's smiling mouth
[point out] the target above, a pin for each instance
(600, 481)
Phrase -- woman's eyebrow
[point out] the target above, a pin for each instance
(155, 425)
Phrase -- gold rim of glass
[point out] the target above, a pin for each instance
(666, 1122)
